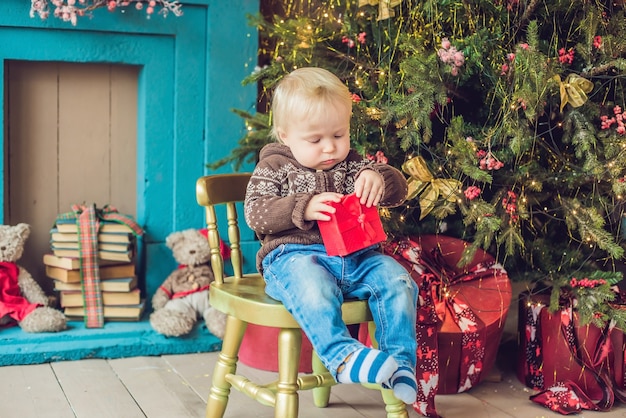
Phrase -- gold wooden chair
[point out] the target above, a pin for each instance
(242, 297)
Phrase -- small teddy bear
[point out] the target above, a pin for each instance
(184, 295)
(22, 300)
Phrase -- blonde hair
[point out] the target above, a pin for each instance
(306, 91)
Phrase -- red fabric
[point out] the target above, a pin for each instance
(352, 227)
(12, 303)
(88, 225)
(565, 398)
(460, 315)
(576, 367)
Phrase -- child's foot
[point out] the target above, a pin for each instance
(367, 365)
(404, 384)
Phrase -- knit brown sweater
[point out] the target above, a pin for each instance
(280, 190)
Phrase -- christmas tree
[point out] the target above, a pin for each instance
(506, 116)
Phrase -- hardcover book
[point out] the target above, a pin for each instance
(69, 226)
(72, 298)
(124, 284)
(113, 237)
(112, 313)
(73, 263)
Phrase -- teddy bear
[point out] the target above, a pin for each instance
(22, 300)
(184, 295)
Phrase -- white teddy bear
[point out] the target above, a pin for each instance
(22, 300)
(184, 295)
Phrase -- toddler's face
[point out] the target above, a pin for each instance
(321, 141)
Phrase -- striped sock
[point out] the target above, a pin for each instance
(404, 384)
(367, 365)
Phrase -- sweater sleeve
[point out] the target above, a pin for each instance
(395, 185)
(267, 212)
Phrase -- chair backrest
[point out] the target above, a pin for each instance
(228, 190)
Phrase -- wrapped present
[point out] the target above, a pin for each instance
(352, 227)
(87, 219)
(460, 317)
(259, 349)
(575, 366)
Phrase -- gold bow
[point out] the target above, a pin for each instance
(423, 184)
(385, 7)
(574, 90)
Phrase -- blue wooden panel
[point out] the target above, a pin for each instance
(190, 79)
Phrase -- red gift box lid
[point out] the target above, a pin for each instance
(352, 227)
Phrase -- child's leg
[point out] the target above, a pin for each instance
(404, 384)
(367, 365)
(392, 297)
(311, 294)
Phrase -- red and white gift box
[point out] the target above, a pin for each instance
(575, 366)
(460, 314)
(352, 227)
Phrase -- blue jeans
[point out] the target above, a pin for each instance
(313, 285)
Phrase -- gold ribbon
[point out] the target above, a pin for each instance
(574, 90)
(423, 184)
(385, 7)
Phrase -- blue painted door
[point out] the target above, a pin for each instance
(190, 72)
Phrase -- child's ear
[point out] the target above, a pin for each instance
(282, 134)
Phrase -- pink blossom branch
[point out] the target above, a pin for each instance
(70, 10)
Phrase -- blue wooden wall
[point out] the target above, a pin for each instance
(190, 79)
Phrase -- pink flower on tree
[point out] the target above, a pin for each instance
(566, 57)
(472, 192)
(448, 54)
(379, 157)
(597, 42)
(361, 38)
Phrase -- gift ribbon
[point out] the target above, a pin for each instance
(472, 329)
(88, 222)
(422, 183)
(567, 397)
(434, 304)
(574, 90)
(427, 366)
(354, 208)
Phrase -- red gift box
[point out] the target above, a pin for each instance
(352, 227)
(460, 317)
(557, 351)
(259, 349)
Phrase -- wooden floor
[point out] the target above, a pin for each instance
(176, 386)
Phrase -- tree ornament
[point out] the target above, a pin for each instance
(423, 184)
(385, 7)
(574, 90)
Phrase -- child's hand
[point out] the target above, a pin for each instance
(368, 187)
(318, 207)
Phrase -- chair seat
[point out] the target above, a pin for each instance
(246, 299)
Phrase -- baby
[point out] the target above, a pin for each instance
(291, 187)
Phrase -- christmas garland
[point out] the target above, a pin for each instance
(71, 10)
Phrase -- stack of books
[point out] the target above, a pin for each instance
(121, 296)
(116, 241)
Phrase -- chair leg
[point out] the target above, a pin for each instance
(289, 344)
(321, 395)
(226, 364)
(395, 407)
